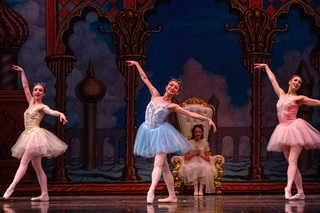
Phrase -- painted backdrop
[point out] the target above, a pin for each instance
(193, 46)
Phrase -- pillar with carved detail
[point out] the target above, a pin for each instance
(130, 34)
(14, 33)
(257, 32)
(61, 66)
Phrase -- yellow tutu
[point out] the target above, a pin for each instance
(36, 140)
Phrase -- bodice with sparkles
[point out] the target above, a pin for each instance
(287, 111)
(32, 119)
(155, 115)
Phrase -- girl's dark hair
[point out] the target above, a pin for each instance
(41, 84)
(194, 128)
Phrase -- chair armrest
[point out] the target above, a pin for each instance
(216, 161)
(177, 159)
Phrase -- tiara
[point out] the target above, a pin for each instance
(179, 81)
(39, 83)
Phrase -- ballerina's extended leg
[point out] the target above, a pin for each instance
(156, 174)
(42, 178)
(292, 156)
(23, 166)
(168, 179)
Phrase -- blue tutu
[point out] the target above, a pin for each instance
(155, 136)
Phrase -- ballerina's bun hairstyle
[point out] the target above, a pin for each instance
(179, 81)
(41, 84)
(294, 77)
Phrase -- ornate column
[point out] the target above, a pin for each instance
(61, 66)
(257, 32)
(14, 33)
(130, 33)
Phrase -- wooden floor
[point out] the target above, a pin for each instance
(186, 203)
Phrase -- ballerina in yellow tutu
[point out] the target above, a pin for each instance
(35, 142)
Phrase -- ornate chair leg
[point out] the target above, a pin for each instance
(217, 180)
(177, 179)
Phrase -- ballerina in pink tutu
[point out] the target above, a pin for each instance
(35, 142)
(292, 133)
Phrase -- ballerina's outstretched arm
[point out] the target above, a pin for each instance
(272, 79)
(178, 109)
(25, 83)
(154, 92)
(55, 113)
(308, 101)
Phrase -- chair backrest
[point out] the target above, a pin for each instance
(198, 106)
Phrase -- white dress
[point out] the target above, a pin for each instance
(198, 168)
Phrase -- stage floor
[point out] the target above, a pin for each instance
(186, 203)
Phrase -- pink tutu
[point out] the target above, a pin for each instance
(299, 132)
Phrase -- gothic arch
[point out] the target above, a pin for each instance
(285, 9)
(78, 14)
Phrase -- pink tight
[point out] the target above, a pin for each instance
(161, 166)
(36, 163)
(292, 153)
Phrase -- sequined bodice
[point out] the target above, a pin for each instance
(287, 111)
(32, 119)
(155, 115)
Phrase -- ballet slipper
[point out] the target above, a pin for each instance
(287, 192)
(150, 196)
(200, 193)
(42, 197)
(298, 196)
(170, 199)
(196, 193)
(8, 192)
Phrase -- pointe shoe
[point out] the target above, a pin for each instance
(42, 197)
(150, 197)
(287, 193)
(298, 196)
(200, 193)
(196, 193)
(170, 199)
(8, 193)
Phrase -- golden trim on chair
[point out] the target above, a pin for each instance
(198, 101)
(175, 173)
(217, 180)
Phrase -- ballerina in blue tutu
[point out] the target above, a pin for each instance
(155, 138)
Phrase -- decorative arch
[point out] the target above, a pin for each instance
(127, 20)
(78, 14)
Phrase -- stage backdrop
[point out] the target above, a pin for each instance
(193, 46)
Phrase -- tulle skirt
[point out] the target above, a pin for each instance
(38, 142)
(197, 170)
(164, 138)
(299, 132)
